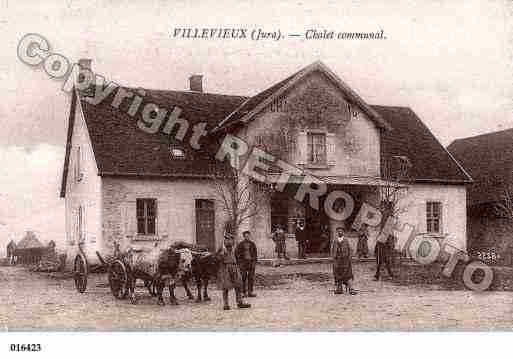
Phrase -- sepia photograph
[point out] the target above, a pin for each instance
(222, 166)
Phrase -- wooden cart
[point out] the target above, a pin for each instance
(116, 268)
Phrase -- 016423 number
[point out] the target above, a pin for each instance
(25, 347)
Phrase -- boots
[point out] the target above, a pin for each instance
(240, 303)
(339, 289)
(225, 300)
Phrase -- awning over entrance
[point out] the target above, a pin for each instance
(335, 180)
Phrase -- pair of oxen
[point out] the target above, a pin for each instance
(169, 267)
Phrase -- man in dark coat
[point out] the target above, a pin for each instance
(342, 267)
(362, 248)
(382, 252)
(279, 240)
(301, 237)
(246, 255)
(228, 276)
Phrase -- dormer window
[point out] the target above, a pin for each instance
(177, 153)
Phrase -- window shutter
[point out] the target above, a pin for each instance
(331, 155)
(84, 235)
(130, 219)
(163, 219)
(301, 150)
(75, 226)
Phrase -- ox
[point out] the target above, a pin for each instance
(160, 267)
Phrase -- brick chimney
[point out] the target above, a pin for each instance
(85, 64)
(196, 83)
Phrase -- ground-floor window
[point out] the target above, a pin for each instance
(146, 216)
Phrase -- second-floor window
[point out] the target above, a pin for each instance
(433, 217)
(316, 151)
(146, 216)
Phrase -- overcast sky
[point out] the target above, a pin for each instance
(450, 61)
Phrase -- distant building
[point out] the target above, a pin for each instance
(29, 249)
(489, 160)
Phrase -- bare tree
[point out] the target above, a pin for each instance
(240, 197)
(395, 174)
(504, 206)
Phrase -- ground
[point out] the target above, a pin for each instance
(298, 297)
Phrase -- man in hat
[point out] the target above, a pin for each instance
(301, 237)
(342, 267)
(228, 276)
(382, 251)
(246, 254)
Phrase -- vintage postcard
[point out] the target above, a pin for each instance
(243, 166)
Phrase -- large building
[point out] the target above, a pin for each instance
(128, 180)
(489, 160)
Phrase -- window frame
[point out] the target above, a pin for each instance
(146, 217)
(434, 218)
(312, 147)
(182, 156)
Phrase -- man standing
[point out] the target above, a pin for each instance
(342, 267)
(279, 241)
(382, 253)
(301, 239)
(246, 254)
(362, 249)
(228, 276)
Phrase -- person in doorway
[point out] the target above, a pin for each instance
(342, 267)
(279, 241)
(246, 255)
(228, 276)
(325, 239)
(362, 248)
(382, 251)
(301, 238)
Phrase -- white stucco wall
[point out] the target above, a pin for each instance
(454, 210)
(357, 141)
(85, 193)
(176, 216)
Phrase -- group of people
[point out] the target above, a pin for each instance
(237, 263)
(340, 252)
(237, 269)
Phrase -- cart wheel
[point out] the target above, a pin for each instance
(81, 271)
(118, 279)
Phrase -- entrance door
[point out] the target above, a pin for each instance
(205, 224)
(317, 226)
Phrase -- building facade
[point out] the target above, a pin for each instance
(123, 184)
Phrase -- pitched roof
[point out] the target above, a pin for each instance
(29, 241)
(411, 138)
(246, 111)
(489, 160)
(121, 148)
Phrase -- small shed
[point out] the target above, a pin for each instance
(29, 249)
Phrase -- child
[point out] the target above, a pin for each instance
(228, 276)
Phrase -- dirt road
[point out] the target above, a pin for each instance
(289, 298)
